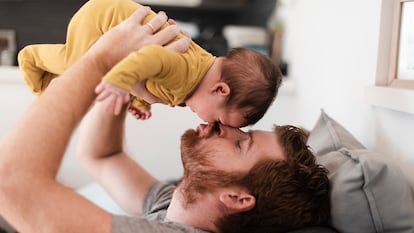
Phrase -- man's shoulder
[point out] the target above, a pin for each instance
(158, 198)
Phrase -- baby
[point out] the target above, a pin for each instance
(235, 90)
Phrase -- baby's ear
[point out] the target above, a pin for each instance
(221, 88)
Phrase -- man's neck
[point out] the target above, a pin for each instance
(200, 214)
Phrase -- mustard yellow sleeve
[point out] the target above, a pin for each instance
(140, 104)
(151, 62)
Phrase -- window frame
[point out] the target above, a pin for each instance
(393, 80)
(389, 92)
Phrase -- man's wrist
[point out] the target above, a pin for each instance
(97, 62)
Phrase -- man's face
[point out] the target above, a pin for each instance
(229, 149)
(214, 156)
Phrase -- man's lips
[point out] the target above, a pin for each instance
(203, 127)
(208, 128)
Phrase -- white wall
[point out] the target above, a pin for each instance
(332, 49)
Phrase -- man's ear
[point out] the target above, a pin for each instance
(220, 88)
(238, 201)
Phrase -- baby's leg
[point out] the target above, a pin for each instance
(91, 21)
(41, 63)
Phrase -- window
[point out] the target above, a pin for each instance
(394, 85)
(401, 73)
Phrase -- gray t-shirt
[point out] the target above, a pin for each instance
(154, 212)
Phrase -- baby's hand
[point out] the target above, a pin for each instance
(115, 96)
(139, 114)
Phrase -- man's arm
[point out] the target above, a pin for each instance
(100, 150)
(30, 197)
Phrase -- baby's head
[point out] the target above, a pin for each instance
(240, 88)
(253, 80)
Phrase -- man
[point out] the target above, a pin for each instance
(233, 181)
(225, 185)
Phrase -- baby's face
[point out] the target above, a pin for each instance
(213, 108)
(226, 116)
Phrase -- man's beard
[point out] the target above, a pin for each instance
(193, 152)
(195, 163)
(200, 176)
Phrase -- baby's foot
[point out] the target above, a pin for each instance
(139, 114)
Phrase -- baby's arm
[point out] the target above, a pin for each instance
(131, 71)
(116, 96)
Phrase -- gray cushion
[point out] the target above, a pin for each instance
(368, 194)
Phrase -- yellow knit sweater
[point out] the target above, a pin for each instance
(169, 75)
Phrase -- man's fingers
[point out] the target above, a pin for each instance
(185, 33)
(166, 35)
(180, 45)
(139, 15)
(173, 22)
(157, 22)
